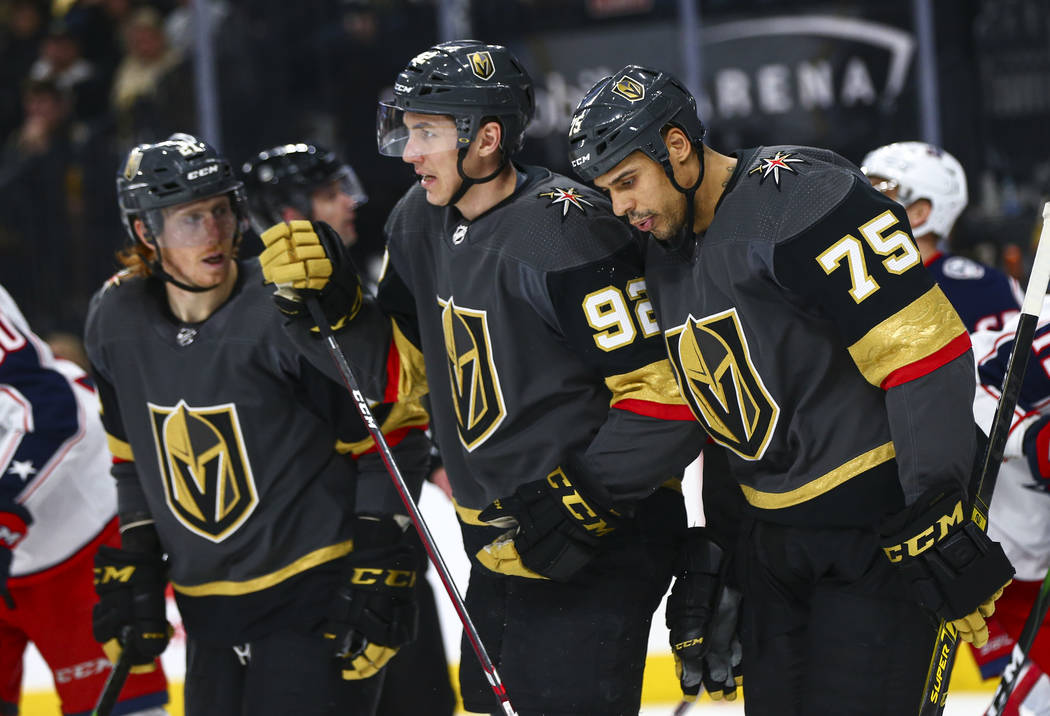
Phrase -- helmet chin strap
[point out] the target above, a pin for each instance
(686, 237)
(157, 268)
(467, 181)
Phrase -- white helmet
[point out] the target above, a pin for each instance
(922, 171)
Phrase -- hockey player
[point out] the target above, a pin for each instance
(234, 465)
(931, 186)
(56, 509)
(519, 306)
(1017, 516)
(306, 181)
(809, 340)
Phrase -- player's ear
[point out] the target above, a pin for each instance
(679, 148)
(142, 232)
(919, 212)
(488, 138)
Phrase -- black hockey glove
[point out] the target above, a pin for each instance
(374, 612)
(955, 570)
(130, 587)
(14, 521)
(554, 529)
(306, 258)
(702, 616)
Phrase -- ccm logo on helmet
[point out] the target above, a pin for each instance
(580, 160)
(202, 172)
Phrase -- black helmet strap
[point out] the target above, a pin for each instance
(689, 192)
(467, 181)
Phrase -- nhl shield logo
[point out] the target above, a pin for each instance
(481, 64)
(476, 393)
(629, 88)
(208, 482)
(719, 382)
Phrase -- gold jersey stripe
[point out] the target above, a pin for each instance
(918, 330)
(233, 589)
(824, 483)
(412, 380)
(402, 415)
(119, 449)
(654, 383)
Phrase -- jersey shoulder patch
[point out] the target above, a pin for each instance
(565, 197)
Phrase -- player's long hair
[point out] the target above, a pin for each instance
(136, 258)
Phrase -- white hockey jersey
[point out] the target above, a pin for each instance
(1019, 515)
(53, 455)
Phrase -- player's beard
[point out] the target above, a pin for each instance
(671, 220)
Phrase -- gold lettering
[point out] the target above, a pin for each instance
(400, 578)
(917, 545)
(365, 575)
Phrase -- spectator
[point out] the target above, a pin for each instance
(148, 59)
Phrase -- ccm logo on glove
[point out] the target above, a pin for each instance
(576, 505)
(393, 578)
(926, 539)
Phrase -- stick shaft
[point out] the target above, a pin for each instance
(352, 385)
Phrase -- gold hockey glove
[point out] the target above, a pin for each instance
(374, 612)
(702, 615)
(554, 529)
(305, 258)
(954, 569)
(131, 612)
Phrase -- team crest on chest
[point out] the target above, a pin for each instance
(565, 197)
(208, 482)
(781, 161)
(476, 393)
(717, 378)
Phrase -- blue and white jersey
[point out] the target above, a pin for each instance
(53, 455)
(985, 298)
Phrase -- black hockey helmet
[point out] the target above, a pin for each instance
(286, 175)
(178, 170)
(470, 81)
(626, 112)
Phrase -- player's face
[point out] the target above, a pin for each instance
(332, 205)
(197, 241)
(641, 192)
(431, 150)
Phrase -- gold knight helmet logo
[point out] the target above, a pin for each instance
(629, 88)
(715, 374)
(476, 392)
(208, 481)
(481, 64)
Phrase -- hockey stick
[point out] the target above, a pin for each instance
(935, 691)
(1020, 651)
(115, 681)
(361, 402)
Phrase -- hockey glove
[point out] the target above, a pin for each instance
(1037, 451)
(374, 612)
(955, 570)
(702, 614)
(130, 587)
(14, 521)
(306, 258)
(554, 529)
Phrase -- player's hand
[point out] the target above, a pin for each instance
(14, 521)
(554, 528)
(1037, 450)
(954, 568)
(130, 587)
(304, 258)
(374, 612)
(702, 615)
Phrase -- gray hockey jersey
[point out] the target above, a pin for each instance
(233, 443)
(791, 322)
(532, 332)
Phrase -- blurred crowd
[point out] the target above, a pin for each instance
(82, 81)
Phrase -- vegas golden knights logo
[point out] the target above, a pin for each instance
(481, 64)
(476, 392)
(713, 367)
(629, 88)
(208, 480)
